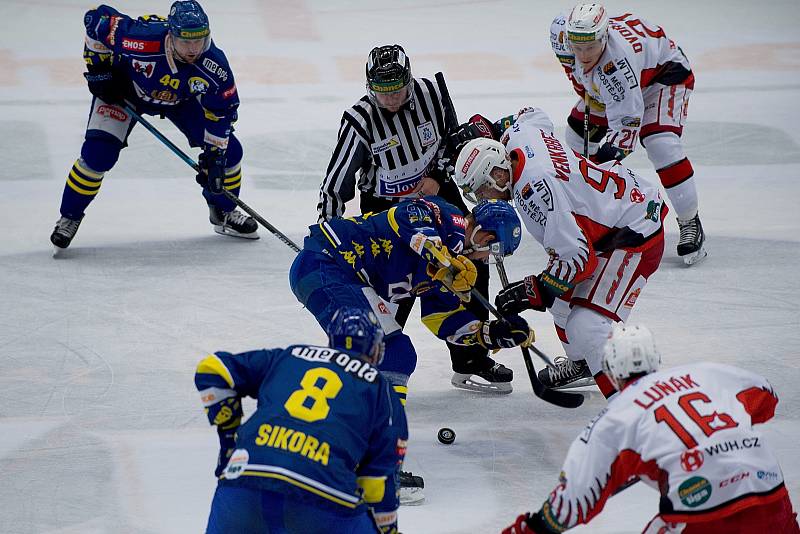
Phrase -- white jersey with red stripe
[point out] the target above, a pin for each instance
(686, 431)
(573, 207)
(638, 54)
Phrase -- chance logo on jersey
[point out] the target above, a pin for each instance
(694, 491)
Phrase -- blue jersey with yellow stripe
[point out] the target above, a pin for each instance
(386, 251)
(328, 427)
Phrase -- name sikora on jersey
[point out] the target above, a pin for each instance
(352, 365)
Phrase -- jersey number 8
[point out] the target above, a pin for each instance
(298, 404)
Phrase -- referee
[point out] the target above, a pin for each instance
(392, 147)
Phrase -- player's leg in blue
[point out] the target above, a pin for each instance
(323, 287)
(223, 215)
(106, 132)
(304, 517)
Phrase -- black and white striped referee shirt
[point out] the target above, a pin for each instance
(385, 154)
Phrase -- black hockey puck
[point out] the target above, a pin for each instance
(446, 435)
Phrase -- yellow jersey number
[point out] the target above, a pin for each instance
(297, 406)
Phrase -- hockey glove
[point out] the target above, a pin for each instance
(227, 416)
(461, 274)
(527, 294)
(607, 152)
(477, 126)
(227, 444)
(106, 85)
(212, 169)
(505, 333)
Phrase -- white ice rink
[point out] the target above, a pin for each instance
(101, 429)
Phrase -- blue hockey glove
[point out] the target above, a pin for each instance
(106, 85)
(212, 169)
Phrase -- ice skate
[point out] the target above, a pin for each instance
(412, 489)
(692, 239)
(63, 233)
(233, 223)
(493, 378)
(566, 374)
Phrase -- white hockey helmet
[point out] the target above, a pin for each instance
(630, 350)
(475, 163)
(587, 23)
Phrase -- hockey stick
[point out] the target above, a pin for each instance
(450, 118)
(586, 109)
(189, 161)
(558, 398)
(501, 270)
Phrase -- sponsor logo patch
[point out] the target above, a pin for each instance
(631, 122)
(767, 475)
(694, 491)
(384, 145)
(229, 92)
(653, 210)
(144, 68)
(527, 191)
(112, 112)
(738, 477)
(138, 45)
(609, 68)
(691, 460)
(213, 68)
(636, 196)
(470, 159)
(426, 133)
(197, 85)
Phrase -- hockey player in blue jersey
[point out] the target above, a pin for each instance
(168, 67)
(374, 259)
(323, 449)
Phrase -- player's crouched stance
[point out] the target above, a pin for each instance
(168, 67)
(323, 450)
(687, 432)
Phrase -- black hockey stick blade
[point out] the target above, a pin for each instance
(553, 396)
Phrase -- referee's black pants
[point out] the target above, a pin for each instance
(464, 359)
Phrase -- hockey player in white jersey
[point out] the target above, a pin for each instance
(601, 225)
(685, 431)
(637, 82)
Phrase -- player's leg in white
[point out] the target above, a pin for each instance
(566, 373)
(662, 126)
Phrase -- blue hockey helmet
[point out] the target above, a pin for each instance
(187, 20)
(356, 330)
(500, 218)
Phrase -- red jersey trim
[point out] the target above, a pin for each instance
(730, 507)
(759, 403)
(520, 165)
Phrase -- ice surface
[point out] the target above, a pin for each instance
(100, 427)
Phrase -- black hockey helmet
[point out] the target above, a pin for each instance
(388, 71)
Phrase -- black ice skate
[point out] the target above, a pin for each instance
(488, 377)
(690, 244)
(64, 231)
(233, 223)
(412, 489)
(566, 374)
